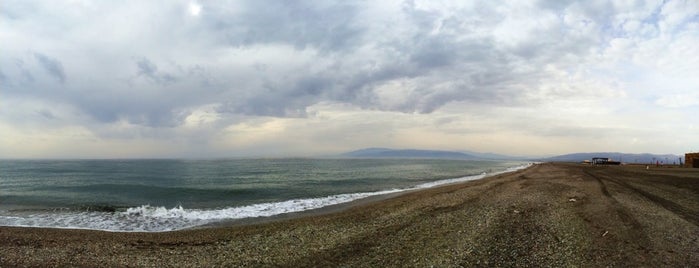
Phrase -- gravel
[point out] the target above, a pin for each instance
(620, 216)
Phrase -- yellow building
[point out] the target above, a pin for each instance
(691, 160)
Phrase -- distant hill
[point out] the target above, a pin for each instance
(623, 157)
(493, 156)
(406, 153)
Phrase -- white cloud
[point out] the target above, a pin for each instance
(201, 116)
(676, 14)
(679, 101)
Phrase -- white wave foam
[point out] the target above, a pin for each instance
(148, 218)
(256, 210)
(470, 178)
(450, 181)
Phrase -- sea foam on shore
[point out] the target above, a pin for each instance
(147, 218)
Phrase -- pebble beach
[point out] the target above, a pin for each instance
(550, 214)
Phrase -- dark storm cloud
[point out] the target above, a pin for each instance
(52, 66)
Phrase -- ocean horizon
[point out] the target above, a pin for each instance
(153, 195)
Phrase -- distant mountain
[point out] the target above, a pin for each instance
(406, 153)
(623, 157)
(493, 156)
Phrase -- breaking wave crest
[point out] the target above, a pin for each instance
(148, 218)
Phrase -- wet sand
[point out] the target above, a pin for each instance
(547, 215)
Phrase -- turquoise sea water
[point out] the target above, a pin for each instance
(161, 195)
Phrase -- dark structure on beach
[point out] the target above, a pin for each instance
(604, 161)
(691, 160)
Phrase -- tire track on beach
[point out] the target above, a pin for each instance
(662, 182)
(623, 213)
(673, 207)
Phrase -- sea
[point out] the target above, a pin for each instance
(156, 195)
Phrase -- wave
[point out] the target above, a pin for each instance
(147, 218)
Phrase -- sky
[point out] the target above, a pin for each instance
(142, 79)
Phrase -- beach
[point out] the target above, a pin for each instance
(550, 214)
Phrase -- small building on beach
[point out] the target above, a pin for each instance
(604, 161)
(691, 160)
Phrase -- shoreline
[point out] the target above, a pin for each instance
(335, 208)
(549, 214)
(340, 207)
(267, 212)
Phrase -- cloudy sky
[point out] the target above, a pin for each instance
(104, 79)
